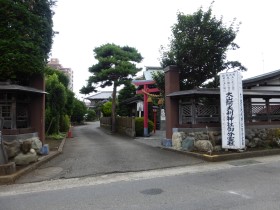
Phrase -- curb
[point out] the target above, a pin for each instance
(225, 157)
(11, 178)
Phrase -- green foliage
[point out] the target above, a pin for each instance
(79, 111)
(277, 133)
(127, 92)
(69, 106)
(139, 126)
(159, 78)
(26, 38)
(116, 65)
(87, 89)
(273, 137)
(107, 109)
(56, 136)
(55, 103)
(57, 97)
(64, 123)
(48, 119)
(53, 126)
(91, 115)
(198, 47)
(59, 101)
(63, 78)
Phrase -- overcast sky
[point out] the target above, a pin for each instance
(146, 25)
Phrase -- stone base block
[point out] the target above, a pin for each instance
(6, 169)
(166, 142)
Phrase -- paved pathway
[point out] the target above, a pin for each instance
(94, 151)
(154, 140)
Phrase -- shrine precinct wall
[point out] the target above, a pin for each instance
(124, 125)
(255, 135)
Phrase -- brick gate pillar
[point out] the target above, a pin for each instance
(38, 107)
(171, 105)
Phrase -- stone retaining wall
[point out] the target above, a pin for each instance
(209, 140)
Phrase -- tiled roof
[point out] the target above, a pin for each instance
(261, 78)
(101, 95)
(148, 74)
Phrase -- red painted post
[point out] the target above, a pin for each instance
(145, 91)
(155, 121)
(146, 133)
(155, 117)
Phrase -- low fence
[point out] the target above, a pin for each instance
(192, 115)
(124, 125)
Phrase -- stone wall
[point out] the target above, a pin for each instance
(209, 140)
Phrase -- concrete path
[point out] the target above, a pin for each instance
(94, 151)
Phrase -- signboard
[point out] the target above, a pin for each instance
(232, 110)
(162, 114)
(140, 106)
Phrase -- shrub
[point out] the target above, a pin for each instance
(107, 109)
(64, 123)
(91, 115)
(139, 126)
(79, 111)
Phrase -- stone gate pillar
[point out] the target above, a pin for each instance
(38, 107)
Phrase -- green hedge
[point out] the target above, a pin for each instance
(139, 126)
(91, 115)
(64, 123)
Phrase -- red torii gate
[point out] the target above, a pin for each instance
(145, 92)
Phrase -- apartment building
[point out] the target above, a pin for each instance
(54, 63)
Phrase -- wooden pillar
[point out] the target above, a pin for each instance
(193, 111)
(268, 114)
(172, 84)
(13, 113)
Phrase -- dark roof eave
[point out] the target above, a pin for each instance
(216, 93)
(132, 100)
(261, 78)
(21, 88)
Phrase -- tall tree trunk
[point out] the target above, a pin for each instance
(114, 107)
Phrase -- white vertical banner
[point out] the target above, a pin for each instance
(139, 108)
(232, 110)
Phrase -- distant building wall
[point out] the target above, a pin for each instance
(54, 63)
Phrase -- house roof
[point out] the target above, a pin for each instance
(262, 78)
(20, 88)
(215, 92)
(101, 95)
(150, 70)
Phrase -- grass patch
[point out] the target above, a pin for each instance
(58, 136)
(54, 141)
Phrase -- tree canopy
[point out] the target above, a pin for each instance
(59, 101)
(159, 78)
(198, 47)
(55, 102)
(26, 37)
(62, 77)
(116, 65)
